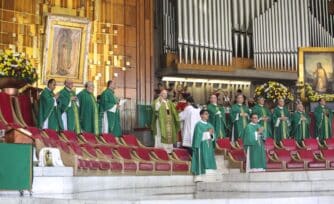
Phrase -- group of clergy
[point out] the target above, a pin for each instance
(79, 113)
(200, 128)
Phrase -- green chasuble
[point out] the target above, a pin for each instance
(323, 122)
(110, 114)
(48, 116)
(70, 108)
(281, 128)
(218, 119)
(253, 144)
(300, 128)
(203, 149)
(239, 122)
(262, 111)
(168, 120)
(88, 112)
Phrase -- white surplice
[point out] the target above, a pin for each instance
(189, 116)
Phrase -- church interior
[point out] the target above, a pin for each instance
(94, 97)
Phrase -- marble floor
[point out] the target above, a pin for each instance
(186, 194)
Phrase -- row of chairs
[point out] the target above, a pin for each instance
(107, 155)
(288, 155)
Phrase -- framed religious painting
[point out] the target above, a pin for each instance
(66, 49)
(316, 73)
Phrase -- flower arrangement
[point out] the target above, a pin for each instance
(314, 96)
(14, 64)
(273, 90)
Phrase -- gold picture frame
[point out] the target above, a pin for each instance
(316, 67)
(66, 49)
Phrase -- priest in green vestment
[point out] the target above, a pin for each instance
(68, 106)
(239, 116)
(48, 115)
(281, 122)
(217, 117)
(109, 110)
(88, 110)
(254, 136)
(203, 158)
(323, 121)
(165, 122)
(264, 115)
(300, 123)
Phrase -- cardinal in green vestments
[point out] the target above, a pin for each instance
(217, 117)
(254, 136)
(239, 116)
(88, 110)
(165, 122)
(300, 123)
(109, 110)
(323, 121)
(68, 106)
(203, 158)
(264, 115)
(48, 115)
(281, 122)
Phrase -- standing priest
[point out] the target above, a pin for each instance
(203, 158)
(300, 124)
(48, 116)
(217, 117)
(323, 121)
(69, 108)
(264, 115)
(281, 121)
(88, 110)
(165, 122)
(254, 136)
(109, 109)
(239, 117)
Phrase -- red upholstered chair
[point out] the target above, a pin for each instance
(106, 152)
(131, 141)
(108, 139)
(273, 164)
(88, 137)
(7, 112)
(35, 132)
(288, 162)
(307, 156)
(89, 150)
(224, 145)
(75, 148)
(312, 144)
(147, 164)
(269, 145)
(24, 109)
(181, 154)
(70, 136)
(329, 143)
(51, 134)
(328, 156)
(124, 153)
(237, 159)
(83, 164)
(177, 166)
(289, 144)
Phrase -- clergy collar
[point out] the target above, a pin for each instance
(322, 106)
(261, 105)
(204, 122)
(253, 123)
(240, 104)
(68, 89)
(214, 104)
(48, 89)
(280, 107)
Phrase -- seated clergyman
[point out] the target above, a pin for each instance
(203, 160)
(254, 137)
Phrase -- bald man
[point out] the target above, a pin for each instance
(69, 110)
(165, 122)
(88, 110)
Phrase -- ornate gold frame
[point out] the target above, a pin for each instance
(301, 53)
(84, 25)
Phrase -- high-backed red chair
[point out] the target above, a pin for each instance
(124, 154)
(181, 154)
(7, 113)
(177, 165)
(269, 145)
(328, 156)
(51, 134)
(272, 164)
(131, 141)
(329, 143)
(88, 137)
(287, 160)
(312, 144)
(108, 139)
(289, 144)
(237, 159)
(147, 164)
(224, 145)
(70, 136)
(24, 110)
(310, 162)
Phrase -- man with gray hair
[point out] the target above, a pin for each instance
(88, 110)
(69, 109)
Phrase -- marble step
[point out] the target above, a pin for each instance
(53, 171)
